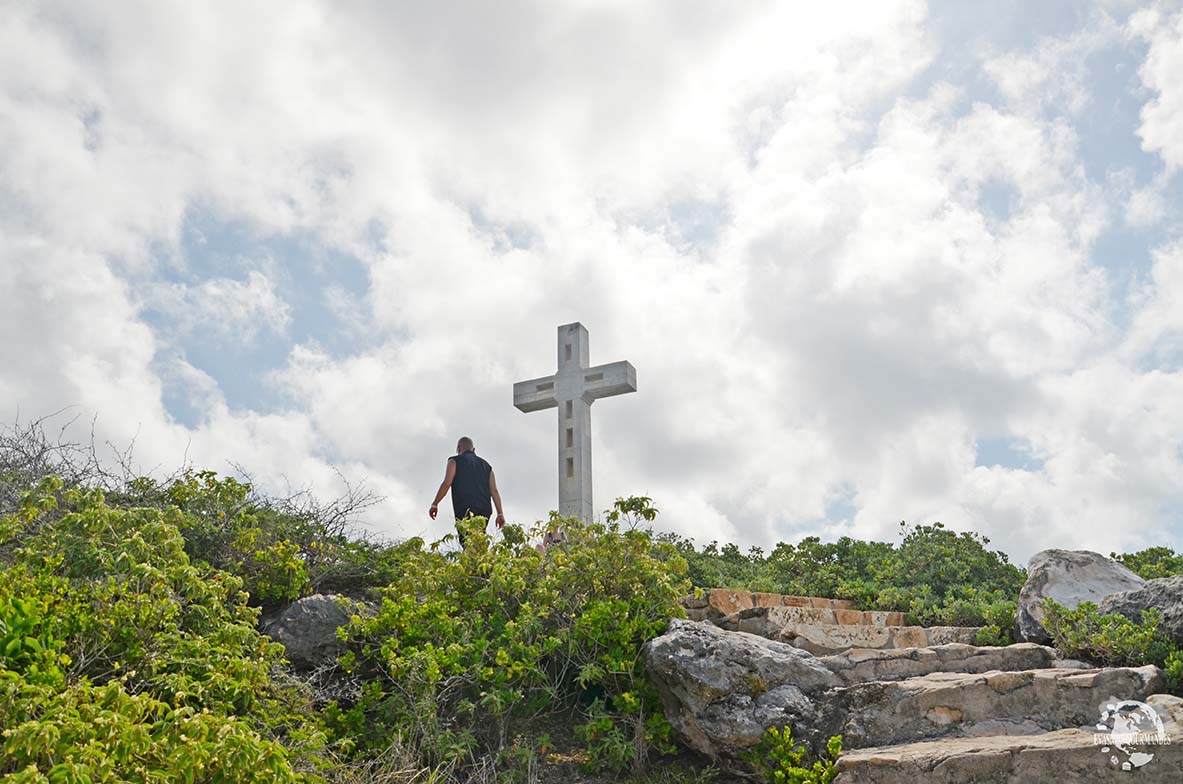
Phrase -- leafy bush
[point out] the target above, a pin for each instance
(123, 661)
(1113, 639)
(281, 548)
(780, 760)
(936, 576)
(1109, 639)
(104, 733)
(466, 646)
(1151, 563)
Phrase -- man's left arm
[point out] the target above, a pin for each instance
(496, 498)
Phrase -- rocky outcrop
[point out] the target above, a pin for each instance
(307, 628)
(722, 690)
(1070, 577)
(1164, 594)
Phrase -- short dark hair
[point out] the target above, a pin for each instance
(465, 443)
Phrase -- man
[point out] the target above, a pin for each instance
(472, 483)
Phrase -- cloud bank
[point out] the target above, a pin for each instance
(874, 262)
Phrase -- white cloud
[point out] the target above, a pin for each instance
(1155, 336)
(222, 309)
(1162, 117)
(833, 277)
(1053, 76)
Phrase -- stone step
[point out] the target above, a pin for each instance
(827, 640)
(820, 633)
(757, 619)
(861, 665)
(1067, 755)
(721, 602)
(951, 704)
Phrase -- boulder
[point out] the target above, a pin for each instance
(722, 689)
(307, 628)
(1070, 577)
(1164, 594)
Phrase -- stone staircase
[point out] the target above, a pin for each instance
(938, 711)
(820, 626)
(720, 602)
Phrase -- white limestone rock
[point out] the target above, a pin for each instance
(1070, 577)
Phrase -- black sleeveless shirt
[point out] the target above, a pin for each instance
(470, 488)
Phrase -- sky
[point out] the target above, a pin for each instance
(873, 262)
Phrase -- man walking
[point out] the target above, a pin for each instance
(472, 483)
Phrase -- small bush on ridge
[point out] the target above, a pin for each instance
(468, 645)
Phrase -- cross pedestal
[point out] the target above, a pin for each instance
(572, 390)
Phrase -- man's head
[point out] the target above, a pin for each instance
(464, 445)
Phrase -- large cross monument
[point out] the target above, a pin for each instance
(572, 390)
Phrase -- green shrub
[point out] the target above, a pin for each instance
(281, 548)
(468, 645)
(780, 760)
(936, 576)
(1111, 639)
(1152, 563)
(121, 655)
(103, 733)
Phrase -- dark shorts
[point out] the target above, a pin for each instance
(460, 531)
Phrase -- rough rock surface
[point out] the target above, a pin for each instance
(861, 665)
(307, 628)
(1070, 577)
(1068, 755)
(954, 704)
(722, 689)
(1165, 594)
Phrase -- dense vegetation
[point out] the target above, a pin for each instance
(129, 649)
(1114, 640)
(935, 575)
(1151, 563)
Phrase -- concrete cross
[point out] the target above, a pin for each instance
(572, 390)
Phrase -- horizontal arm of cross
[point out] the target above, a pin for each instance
(615, 378)
(535, 395)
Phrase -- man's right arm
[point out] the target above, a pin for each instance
(449, 475)
(496, 499)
